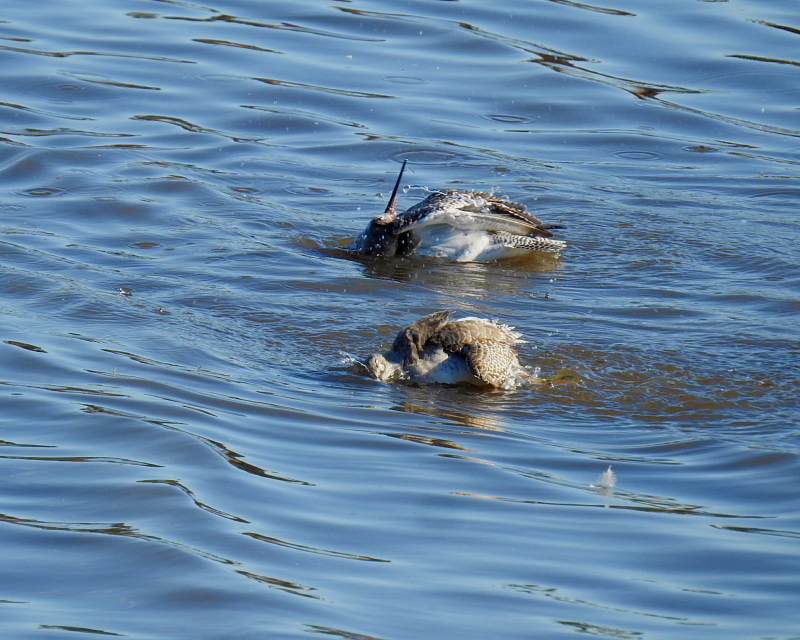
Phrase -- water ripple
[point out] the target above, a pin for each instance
(114, 529)
(285, 26)
(201, 505)
(240, 45)
(310, 87)
(315, 550)
(51, 114)
(66, 54)
(105, 459)
(590, 7)
(61, 627)
(186, 436)
(190, 126)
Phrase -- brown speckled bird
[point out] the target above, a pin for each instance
(465, 226)
(436, 348)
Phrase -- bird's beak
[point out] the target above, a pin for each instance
(390, 213)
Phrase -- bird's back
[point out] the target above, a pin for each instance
(472, 210)
(437, 348)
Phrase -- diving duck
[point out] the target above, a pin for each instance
(436, 348)
(465, 226)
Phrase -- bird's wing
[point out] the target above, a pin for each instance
(468, 331)
(534, 243)
(492, 363)
(511, 209)
(472, 210)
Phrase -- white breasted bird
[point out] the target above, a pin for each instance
(463, 225)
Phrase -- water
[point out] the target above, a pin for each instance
(187, 451)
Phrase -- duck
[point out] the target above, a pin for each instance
(460, 225)
(472, 351)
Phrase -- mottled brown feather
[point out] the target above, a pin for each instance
(485, 347)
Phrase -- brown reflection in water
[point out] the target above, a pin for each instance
(115, 529)
(240, 45)
(13, 142)
(780, 533)
(309, 115)
(591, 7)
(285, 26)
(471, 459)
(66, 54)
(480, 419)
(202, 505)
(25, 345)
(459, 279)
(235, 459)
(283, 585)
(601, 630)
(646, 92)
(762, 59)
(106, 459)
(313, 87)
(8, 443)
(655, 387)
(81, 390)
(554, 594)
(194, 128)
(565, 64)
(308, 549)
(61, 627)
(65, 131)
(434, 442)
(775, 25)
(113, 83)
(341, 633)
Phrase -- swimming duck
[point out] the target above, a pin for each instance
(436, 348)
(465, 226)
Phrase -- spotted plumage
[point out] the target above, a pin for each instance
(463, 225)
(438, 349)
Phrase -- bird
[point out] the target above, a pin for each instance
(462, 225)
(438, 349)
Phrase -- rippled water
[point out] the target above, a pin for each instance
(186, 450)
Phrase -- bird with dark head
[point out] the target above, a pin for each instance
(461, 225)
(380, 237)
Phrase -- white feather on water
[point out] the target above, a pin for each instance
(605, 483)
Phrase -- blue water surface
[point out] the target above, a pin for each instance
(188, 446)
